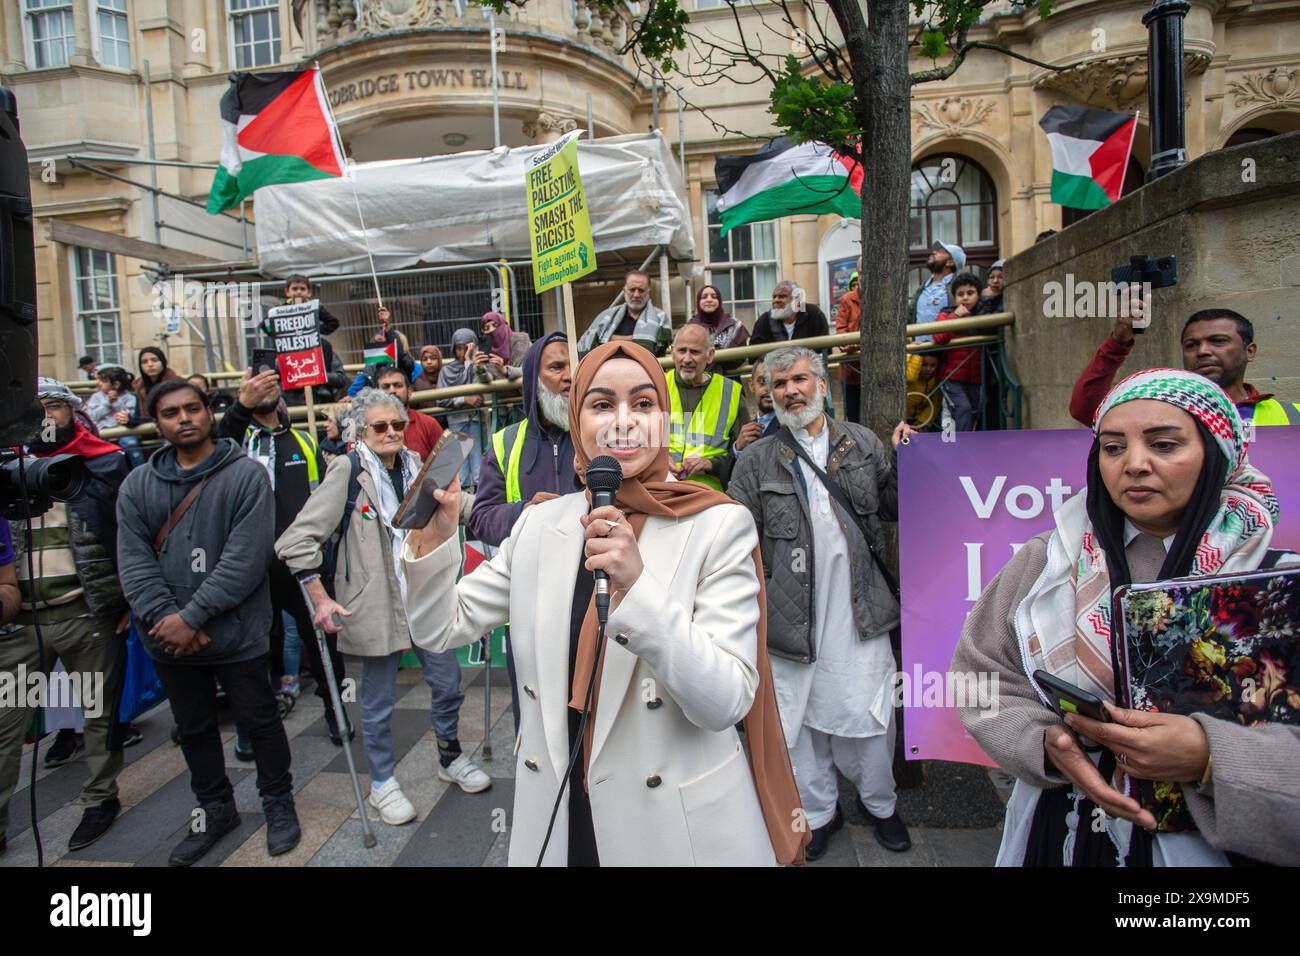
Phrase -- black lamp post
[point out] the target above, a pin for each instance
(1164, 23)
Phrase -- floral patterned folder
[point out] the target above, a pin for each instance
(1225, 646)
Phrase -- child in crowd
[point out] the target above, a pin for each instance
(961, 371)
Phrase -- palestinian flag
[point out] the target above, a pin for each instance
(278, 129)
(382, 354)
(785, 179)
(1090, 150)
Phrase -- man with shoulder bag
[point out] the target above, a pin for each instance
(818, 490)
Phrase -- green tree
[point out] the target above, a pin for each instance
(849, 87)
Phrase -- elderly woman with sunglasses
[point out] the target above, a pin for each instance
(369, 592)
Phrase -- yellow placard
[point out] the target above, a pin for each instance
(559, 227)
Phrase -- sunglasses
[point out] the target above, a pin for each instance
(380, 428)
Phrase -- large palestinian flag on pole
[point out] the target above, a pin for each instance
(1090, 150)
(785, 179)
(278, 129)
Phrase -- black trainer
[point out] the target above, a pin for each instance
(243, 748)
(282, 830)
(821, 837)
(131, 735)
(94, 823)
(891, 832)
(218, 819)
(68, 746)
(332, 725)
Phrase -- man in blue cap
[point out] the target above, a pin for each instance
(946, 260)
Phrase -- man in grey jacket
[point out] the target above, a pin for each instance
(830, 608)
(195, 536)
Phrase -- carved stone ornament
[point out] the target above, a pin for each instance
(1277, 87)
(953, 114)
(548, 127)
(1117, 83)
(378, 16)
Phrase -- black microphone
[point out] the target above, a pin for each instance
(604, 476)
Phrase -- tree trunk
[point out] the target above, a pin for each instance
(883, 93)
(883, 88)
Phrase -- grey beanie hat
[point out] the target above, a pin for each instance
(52, 388)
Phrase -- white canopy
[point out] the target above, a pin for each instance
(468, 207)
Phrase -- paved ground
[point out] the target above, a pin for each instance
(954, 816)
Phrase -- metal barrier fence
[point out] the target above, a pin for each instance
(427, 305)
(1002, 402)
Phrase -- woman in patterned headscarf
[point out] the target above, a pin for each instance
(1170, 494)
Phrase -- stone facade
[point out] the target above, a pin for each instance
(411, 77)
(1232, 219)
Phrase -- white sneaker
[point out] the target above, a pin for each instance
(394, 809)
(466, 775)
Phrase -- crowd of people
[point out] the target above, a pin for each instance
(746, 558)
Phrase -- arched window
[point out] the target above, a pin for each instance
(1251, 134)
(953, 200)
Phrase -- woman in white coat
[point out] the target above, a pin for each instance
(662, 777)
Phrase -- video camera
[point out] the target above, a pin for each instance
(31, 486)
(1157, 273)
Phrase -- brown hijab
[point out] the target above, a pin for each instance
(650, 493)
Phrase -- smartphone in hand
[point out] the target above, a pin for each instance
(1066, 698)
(445, 460)
(264, 361)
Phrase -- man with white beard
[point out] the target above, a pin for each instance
(530, 461)
(790, 317)
(818, 490)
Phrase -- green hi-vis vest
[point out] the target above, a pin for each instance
(706, 434)
(509, 449)
(1272, 412)
(308, 445)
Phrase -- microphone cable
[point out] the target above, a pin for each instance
(29, 541)
(576, 749)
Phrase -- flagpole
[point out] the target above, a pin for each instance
(1129, 155)
(347, 174)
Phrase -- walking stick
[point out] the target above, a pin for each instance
(367, 834)
(487, 696)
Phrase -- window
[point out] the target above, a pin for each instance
(112, 35)
(95, 292)
(709, 4)
(49, 24)
(255, 32)
(742, 264)
(952, 200)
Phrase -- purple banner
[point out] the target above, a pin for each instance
(964, 505)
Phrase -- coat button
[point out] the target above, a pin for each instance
(530, 692)
(620, 638)
(655, 704)
(653, 781)
(531, 764)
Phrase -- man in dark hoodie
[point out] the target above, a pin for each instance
(294, 464)
(517, 473)
(195, 534)
(530, 461)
